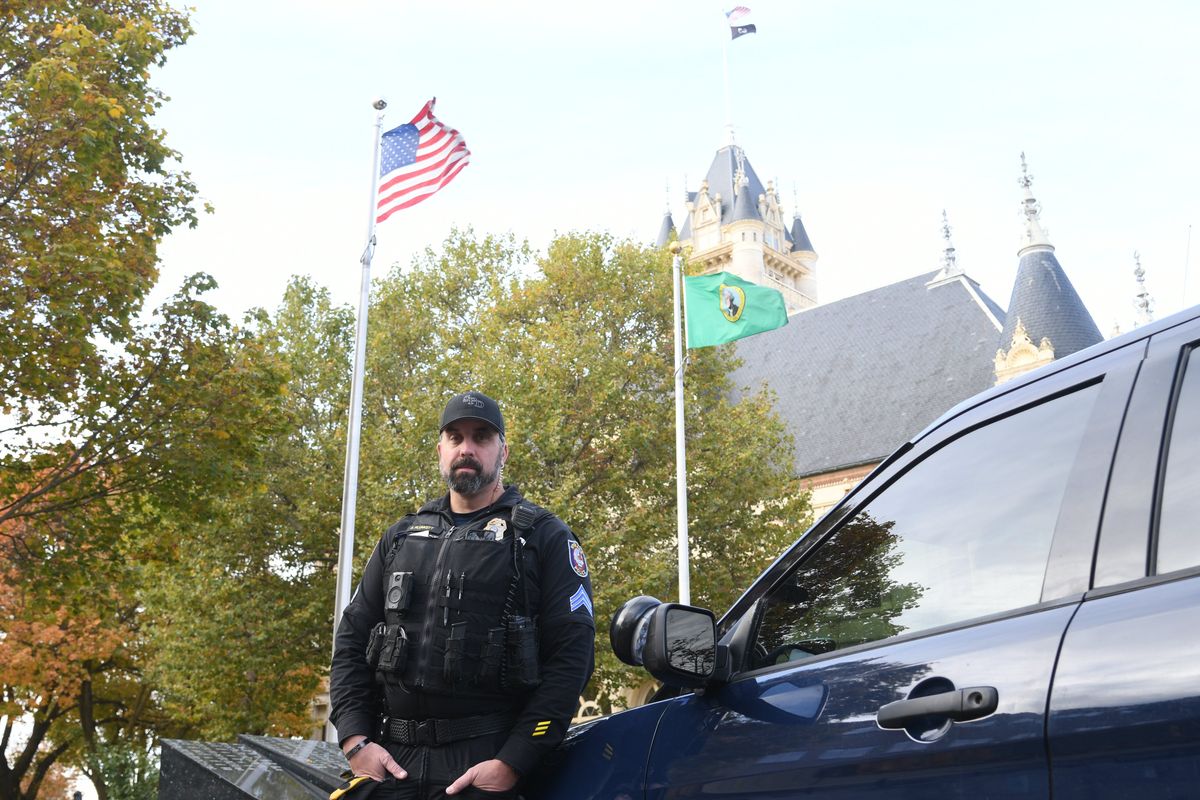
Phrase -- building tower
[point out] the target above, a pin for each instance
(1046, 319)
(735, 224)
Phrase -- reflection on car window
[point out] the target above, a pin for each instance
(964, 533)
(1178, 542)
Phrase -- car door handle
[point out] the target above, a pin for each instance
(959, 705)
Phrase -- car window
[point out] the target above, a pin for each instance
(964, 533)
(1178, 542)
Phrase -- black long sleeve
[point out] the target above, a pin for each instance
(566, 647)
(354, 703)
(567, 663)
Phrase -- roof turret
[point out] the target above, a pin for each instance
(1043, 300)
(720, 179)
(798, 236)
(665, 230)
(800, 241)
(745, 203)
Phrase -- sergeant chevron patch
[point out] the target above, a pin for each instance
(581, 600)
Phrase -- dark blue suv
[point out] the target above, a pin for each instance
(1008, 607)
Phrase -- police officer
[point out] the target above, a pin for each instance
(459, 662)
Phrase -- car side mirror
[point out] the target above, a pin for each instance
(681, 645)
(628, 628)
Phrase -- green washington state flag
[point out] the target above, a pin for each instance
(723, 307)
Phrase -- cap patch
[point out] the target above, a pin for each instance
(581, 600)
(578, 560)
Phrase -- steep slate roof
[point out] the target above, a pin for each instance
(745, 207)
(720, 181)
(664, 233)
(855, 378)
(1047, 304)
(799, 236)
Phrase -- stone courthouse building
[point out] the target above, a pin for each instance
(856, 377)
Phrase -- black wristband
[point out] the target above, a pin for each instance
(353, 751)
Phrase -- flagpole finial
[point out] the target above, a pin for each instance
(379, 105)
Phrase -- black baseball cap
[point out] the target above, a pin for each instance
(473, 405)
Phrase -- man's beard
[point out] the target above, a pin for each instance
(470, 484)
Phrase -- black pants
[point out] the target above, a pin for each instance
(432, 769)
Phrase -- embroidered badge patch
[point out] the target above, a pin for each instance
(581, 600)
(496, 527)
(541, 728)
(578, 560)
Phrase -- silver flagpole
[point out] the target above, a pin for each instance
(728, 94)
(685, 581)
(345, 566)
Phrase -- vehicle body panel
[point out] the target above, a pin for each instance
(601, 760)
(1125, 711)
(810, 729)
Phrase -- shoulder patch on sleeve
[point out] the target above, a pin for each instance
(581, 600)
(577, 558)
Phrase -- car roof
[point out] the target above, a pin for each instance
(1054, 367)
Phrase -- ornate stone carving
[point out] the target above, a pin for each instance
(1022, 355)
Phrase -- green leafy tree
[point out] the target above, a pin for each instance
(86, 186)
(107, 423)
(131, 770)
(173, 421)
(580, 351)
(262, 563)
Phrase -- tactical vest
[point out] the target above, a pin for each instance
(452, 595)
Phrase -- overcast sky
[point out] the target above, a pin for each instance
(878, 113)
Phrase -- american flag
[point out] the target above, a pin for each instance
(418, 158)
(737, 13)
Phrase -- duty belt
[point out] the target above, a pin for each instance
(442, 731)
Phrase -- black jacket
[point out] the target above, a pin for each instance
(559, 590)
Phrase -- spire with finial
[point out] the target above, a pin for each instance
(950, 266)
(739, 177)
(1034, 236)
(1144, 302)
(744, 204)
(667, 229)
(800, 241)
(950, 270)
(1043, 299)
